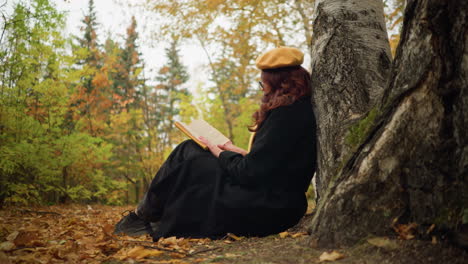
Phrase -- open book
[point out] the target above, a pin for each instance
(199, 128)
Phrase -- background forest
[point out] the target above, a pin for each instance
(80, 121)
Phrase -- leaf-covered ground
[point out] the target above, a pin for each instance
(83, 234)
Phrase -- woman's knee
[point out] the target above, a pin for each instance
(189, 143)
(189, 149)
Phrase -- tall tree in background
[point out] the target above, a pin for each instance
(171, 90)
(93, 97)
(89, 41)
(125, 129)
(409, 160)
(128, 81)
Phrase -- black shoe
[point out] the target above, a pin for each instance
(132, 225)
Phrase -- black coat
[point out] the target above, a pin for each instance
(195, 194)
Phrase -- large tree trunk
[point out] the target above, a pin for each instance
(412, 165)
(351, 60)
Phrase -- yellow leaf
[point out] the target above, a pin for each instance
(231, 235)
(332, 256)
(300, 234)
(382, 242)
(7, 246)
(430, 229)
(170, 241)
(139, 252)
(12, 236)
(284, 234)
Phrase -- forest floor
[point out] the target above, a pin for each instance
(83, 234)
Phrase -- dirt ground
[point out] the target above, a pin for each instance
(83, 234)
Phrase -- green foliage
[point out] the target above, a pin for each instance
(54, 109)
(249, 106)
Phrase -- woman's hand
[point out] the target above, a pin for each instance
(213, 148)
(231, 147)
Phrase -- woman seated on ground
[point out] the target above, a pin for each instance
(199, 193)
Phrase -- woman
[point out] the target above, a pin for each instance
(199, 193)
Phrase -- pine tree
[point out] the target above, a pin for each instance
(127, 82)
(127, 128)
(89, 39)
(92, 98)
(171, 80)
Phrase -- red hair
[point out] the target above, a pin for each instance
(282, 86)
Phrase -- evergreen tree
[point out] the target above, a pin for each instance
(127, 82)
(93, 97)
(89, 39)
(126, 128)
(171, 80)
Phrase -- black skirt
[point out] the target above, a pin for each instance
(192, 196)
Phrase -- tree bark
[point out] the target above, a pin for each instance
(351, 60)
(412, 165)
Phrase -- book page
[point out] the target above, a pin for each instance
(200, 127)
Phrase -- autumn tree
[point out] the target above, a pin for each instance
(399, 159)
(125, 129)
(394, 18)
(92, 97)
(128, 81)
(41, 160)
(232, 35)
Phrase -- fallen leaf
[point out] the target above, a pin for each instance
(430, 229)
(434, 240)
(7, 246)
(172, 261)
(26, 238)
(170, 241)
(332, 256)
(382, 242)
(405, 231)
(177, 255)
(231, 235)
(300, 234)
(138, 252)
(284, 234)
(4, 258)
(108, 229)
(12, 236)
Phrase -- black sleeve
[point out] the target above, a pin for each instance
(274, 142)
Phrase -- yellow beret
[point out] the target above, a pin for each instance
(280, 57)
